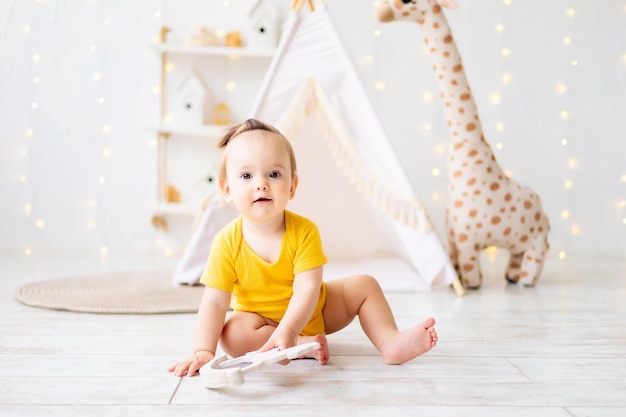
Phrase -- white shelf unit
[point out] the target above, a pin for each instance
(213, 63)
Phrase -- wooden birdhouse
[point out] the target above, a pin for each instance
(264, 25)
(191, 101)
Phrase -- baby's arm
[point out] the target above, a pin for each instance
(209, 324)
(306, 292)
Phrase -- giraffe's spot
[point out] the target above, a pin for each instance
(457, 68)
(457, 173)
(524, 238)
(537, 216)
(458, 145)
(524, 274)
(454, 82)
(489, 235)
(528, 204)
(479, 225)
(436, 9)
(446, 54)
(489, 169)
(508, 197)
(513, 208)
(473, 213)
(448, 39)
(507, 231)
(479, 162)
(458, 203)
(462, 237)
(494, 186)
(522, 219)
(436, 25)
(468, 267)
(471, 181)
(472, 153)
(470, 126)
(489, 201)
(495, 220)
(477, 192)
(465, 96)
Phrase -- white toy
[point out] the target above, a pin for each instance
(222, 373)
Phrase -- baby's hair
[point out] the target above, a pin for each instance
(248, 125)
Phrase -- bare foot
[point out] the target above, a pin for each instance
(409, 344)
(322, 354)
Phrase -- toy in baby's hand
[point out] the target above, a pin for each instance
(485, 207)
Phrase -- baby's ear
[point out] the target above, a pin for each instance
(294, 185)
(225, 189)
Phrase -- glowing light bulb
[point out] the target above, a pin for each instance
(572, 163)
(506, 78)
(623, 179)
(379, 85)
(499, 27)
(564, 114)
(35, 105)
(506, 52)
(168, 252)
(36, 80)
(495, 98)
(434, 196)
(106, 152)
(104, 250)
(567, 40)
(561, 89)
(571, 12)
(106, 129)
(377, 32)
(574, 230)
(440, 150)
(499, 146)
(97, 76)
(30, 133)
(28, 251)
(27, 209)
(169, 67)
(369, 58)
(26, 29)
(427, 96)
(499, 126)
(565, 214)
(101, 100)
(507, 2)
(562, 255)
(101, 180)
(36, 57)
(39, 223)
(568, 184)
(564, 142)
(230, 85)
(436, 172)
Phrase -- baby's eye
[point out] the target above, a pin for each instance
(246, 176)
(274, 174)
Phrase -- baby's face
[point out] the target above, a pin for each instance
(258, 175)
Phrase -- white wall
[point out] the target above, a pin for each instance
(89, 68)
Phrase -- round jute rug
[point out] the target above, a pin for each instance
(143, 292)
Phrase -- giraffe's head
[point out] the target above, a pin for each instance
(410, 10)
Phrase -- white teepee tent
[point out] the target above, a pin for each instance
(351, 183)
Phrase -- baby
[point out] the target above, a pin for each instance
(267, 266)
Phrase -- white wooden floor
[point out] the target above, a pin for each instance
(556, 350)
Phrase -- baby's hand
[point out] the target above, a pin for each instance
(191, 365)
(281, 339)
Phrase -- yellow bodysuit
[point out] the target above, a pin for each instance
(258, 286)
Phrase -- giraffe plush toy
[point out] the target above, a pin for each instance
(484, 206)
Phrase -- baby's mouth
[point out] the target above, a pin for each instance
(262, 200)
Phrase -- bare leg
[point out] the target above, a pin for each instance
(246, 332)
(362, 296)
